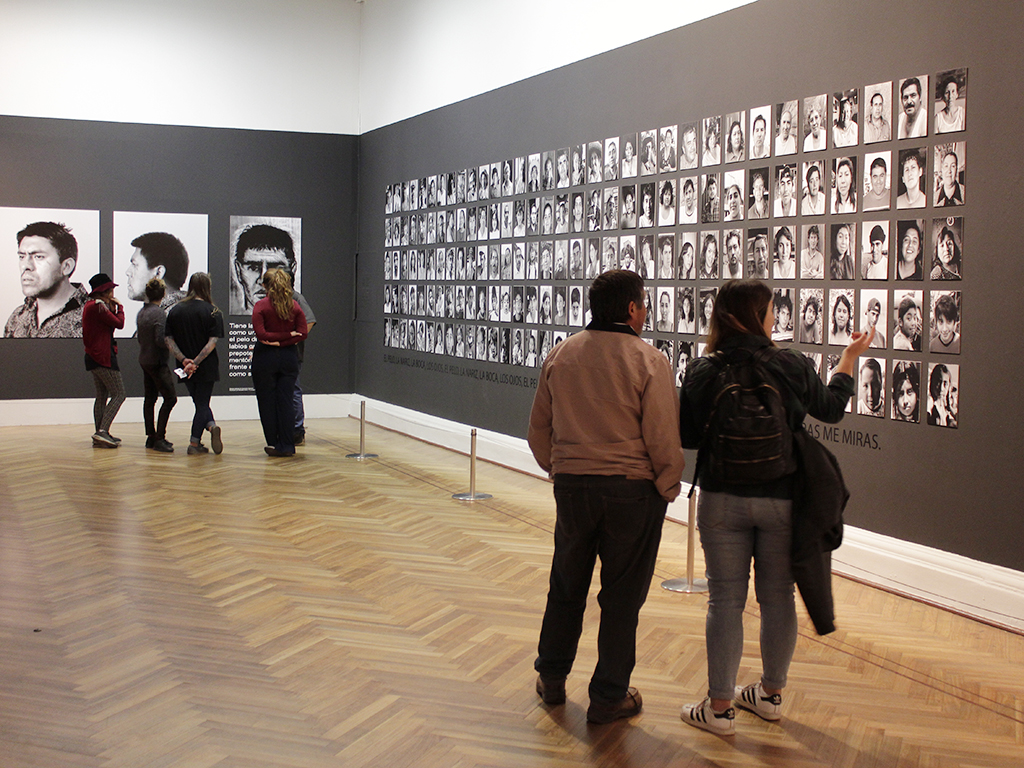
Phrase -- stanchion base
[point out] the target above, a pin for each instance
(471, 496)
(360, 456)
(684, 585)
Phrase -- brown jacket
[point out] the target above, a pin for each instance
(606, 405)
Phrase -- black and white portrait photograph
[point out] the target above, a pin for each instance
(611, 159)
(815, 132)
(874, 305)
(560, 315)
(844, 185)
(667, 203)
(735, 137)
(496, 186)
(732, 254)
(686, 261)
(707, 306)
(758, 253)
(561, 214)
(911, 188)
(593, 258)
(645, 265)
(595, 210)
(547, 215)
(684, 354)
(760, 143)
(666, 311)
(689, 143)
(906, 391)
(628, 162)
(628, 198)
(841, 317)
(784, 253)
(878, 120)
(577, 215)
(813, 201)
(943, 395)
(809, 324)
(547, 170)
(666, 256)
(595, 162)
(708, 262)
(874, 259)
(518, 179)
(710, 199)
(576, 306)
(785, 191)
(494, 220)
(576, 259)
(578, 165)
(648, 153)
(563, 177)
(616, 256)
(483, 183)
(871, 387)
(667, 149)
(757, 195)
(947, 235)
(647, 215)
(170, 246)
(532, 173)
(259, 243)
(785, 127)
(845, 118)
(910, 237)
(546, 305)
(688, 200)
(842, 247)
(561, 266)
(876, 183)
(686, 311)
(951, 101)
(908, 320)
(950, 164)
(782, 307)
(913, 113)
(611, 208)
(735, 185)
(944, 322)
(711, 138)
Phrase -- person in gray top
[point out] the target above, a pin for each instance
(153, 361)
(300, 414)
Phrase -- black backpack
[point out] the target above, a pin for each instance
(747, 439)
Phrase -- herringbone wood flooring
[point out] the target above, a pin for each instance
(167, 610)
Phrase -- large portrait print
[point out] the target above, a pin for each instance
(259, 243)
(171, 246)
(52, 253)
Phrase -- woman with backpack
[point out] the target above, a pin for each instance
(746, 500)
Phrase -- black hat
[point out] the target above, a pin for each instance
(101, 283)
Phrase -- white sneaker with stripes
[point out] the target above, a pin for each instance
(754, 699)
(704, 717)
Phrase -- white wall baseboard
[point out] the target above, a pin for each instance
(986, 592)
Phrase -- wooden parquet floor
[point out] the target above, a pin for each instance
(166, 610)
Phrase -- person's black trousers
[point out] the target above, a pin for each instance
(274, 370)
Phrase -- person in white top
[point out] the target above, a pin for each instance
(817, 138)
(913, 121)
(876, 264)
(785, 203)
(785, 142)
(950, 116)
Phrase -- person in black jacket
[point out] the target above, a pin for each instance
(740, 522)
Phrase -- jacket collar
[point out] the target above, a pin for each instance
(611, 327)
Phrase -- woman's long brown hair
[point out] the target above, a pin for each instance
(279, 290)
(740, 308)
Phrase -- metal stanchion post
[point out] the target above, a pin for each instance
(689, 584)
(472, 495)
(362, 437)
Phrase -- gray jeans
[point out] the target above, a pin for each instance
(734, 529)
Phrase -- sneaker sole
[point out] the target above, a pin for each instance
(687, 717)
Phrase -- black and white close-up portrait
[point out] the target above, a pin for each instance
(871, 387)
(911, 188)
(813, 201)
(686, 262)
(878, 117)
(809, 321)
(686, 311)
(688, 205)
(844, 185)
(948, 237)
(648, 153)
(667, 149)
(735, 185)
(841, 317)
(945, 319)
(815, 132)
(908, 321)
(943, 395)
(782, 306)
(710, 199)
(874, 259)
(785, 128)
(910, 240)
(845, 118)
(760, 139)
(951, 101)
(874, 305)
(711, 148)
(950, 165)
(689, 145)
(611, 159)
(629, 166)
(758, 253)
(906, 391)
(876, 183)
(757, 195)
(912, 122)
(735, 137)
(259, 243)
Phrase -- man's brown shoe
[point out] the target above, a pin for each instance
(627, 706)
(551, 691)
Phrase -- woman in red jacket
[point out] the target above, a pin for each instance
(279, 324)
(100, 316)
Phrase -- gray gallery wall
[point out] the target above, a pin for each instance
(219, 172)
(953, 489)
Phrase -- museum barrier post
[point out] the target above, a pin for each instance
(472, 495)
(689, 584)
(362, 437)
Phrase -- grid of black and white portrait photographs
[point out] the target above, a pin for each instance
(842, 200)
